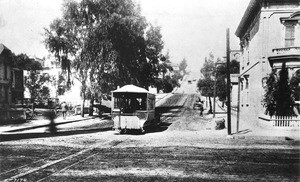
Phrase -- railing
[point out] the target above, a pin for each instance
(286, 50)
(286, 121)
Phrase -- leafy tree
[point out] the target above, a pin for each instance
(35, 82)
(23, 62)
(269, 101)
(284, 99)
(221, 71)
(295, 85)
(108, 43)
(278, 99)
(183, 65)
(165, 64)
(206, 84)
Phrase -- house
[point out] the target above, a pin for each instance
(269, 34)
(5, 77)
(11, 86)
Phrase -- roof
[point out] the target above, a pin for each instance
(249, 15)
(2, 48)
(131, 88)
(4, 51)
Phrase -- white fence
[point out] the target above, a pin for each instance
(286, 121)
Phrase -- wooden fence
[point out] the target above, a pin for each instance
(286, 121)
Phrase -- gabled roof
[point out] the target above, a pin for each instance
(131, 88)
(5, 52)
(2, 48)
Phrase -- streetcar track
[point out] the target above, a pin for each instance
(67, 167)
(28, 165)
(46, 165)
(22, 175)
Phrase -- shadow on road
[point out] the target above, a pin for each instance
(243, 131)
(20, 136)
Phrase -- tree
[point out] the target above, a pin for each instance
(206, 84)
(108, 43)
(23, 62)
(278, 99)
(295, 85)
(183, 65)
(221, 71)
(284, 99)
(269, 101)
(35, 82)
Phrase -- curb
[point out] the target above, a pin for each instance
(263, 138)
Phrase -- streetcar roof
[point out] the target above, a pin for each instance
(131, 89)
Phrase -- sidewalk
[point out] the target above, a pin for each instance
(250, 131)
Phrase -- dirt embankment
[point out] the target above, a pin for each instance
(178, 110)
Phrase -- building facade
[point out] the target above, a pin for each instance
(5, 77)
(269, 34)
(11, 86)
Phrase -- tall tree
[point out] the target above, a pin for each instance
(284, 99)
(221, 70)
(269, 101)
(278, 99)
(183, 65)
(107, 42)
(206, 84)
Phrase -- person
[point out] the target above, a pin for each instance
(64, 109)
(201, 108)
(51, 116)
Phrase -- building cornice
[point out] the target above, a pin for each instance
(254, 7)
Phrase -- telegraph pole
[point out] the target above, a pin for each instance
(228, 82)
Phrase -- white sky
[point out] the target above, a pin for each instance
(190, 28)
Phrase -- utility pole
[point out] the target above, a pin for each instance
(228, 82)
(238, 104)
(215, 82)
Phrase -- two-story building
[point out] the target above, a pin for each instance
(5, 78)
(269, 34)
(11, 86)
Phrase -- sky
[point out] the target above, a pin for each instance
(191, 29)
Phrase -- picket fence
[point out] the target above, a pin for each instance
(286, 121)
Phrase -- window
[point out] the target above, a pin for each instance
(5, 71)
(247, 81)
(289, 35)
(1, 94)
(6, 94)
(247, 99)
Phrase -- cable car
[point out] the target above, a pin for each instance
(133, 108)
